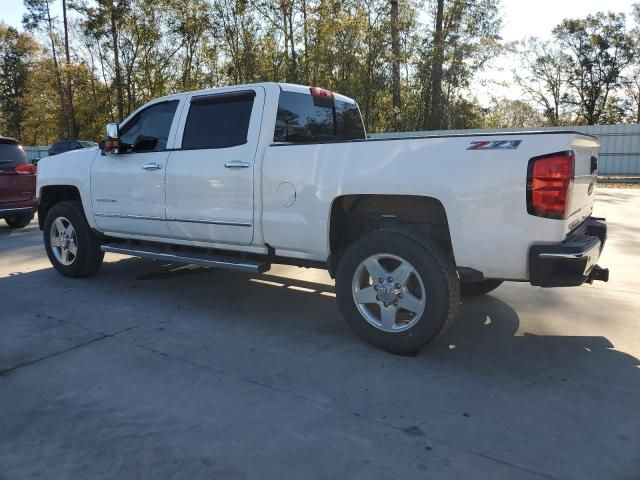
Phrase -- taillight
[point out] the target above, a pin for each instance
(321, 92)
(26, 169)
(549, 184)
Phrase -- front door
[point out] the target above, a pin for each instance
(128, 187)
(210, 174)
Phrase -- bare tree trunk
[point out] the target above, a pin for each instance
(294, 61)
(75, 128)
(116, 60)
(395, 64)
(56, 65)
(434, 119)
(306, 41)
(66, 31)
(104, 78)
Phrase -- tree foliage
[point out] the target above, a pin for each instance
(587, 74)
(16, 54)
(410, 64)
(599, 49)
(465, 35)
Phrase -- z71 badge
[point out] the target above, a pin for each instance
(495, 145)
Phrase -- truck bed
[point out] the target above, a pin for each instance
(482, 189)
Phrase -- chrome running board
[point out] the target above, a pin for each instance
(203, 258)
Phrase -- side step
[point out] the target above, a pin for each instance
(189, 257)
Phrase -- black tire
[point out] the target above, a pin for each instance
(437, 273)
(19, 221)
(473, 289)
(89, 256)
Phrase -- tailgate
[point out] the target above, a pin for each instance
(586, 150)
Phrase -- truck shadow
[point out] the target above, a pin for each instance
(486, 378)
(5, 231)
(301, 317)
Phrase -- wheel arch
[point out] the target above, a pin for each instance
(49, 195)
(353, 215)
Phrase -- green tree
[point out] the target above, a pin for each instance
(464, 37)
(118, 54)
(16, 54)
(631, 78)
(43, 112)
(543, 77)
(505, 113)
(103, 21)
(600, 49)
(39, 18)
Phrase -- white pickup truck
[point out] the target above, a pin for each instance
(242, 177)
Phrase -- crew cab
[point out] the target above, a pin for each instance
(246, 176)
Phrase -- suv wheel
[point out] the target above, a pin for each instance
(19, 221)
(71, 245)
(397, 290)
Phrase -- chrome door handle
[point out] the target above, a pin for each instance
(237, 164)
(152, 166)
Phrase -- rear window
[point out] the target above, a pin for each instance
(11, 154)
(305, 118)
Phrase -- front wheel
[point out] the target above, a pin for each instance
(71, 245)
(19, 221)
(397, 290)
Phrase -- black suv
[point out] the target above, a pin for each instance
(68, 145)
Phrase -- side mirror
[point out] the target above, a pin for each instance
(113, 131)
(111, 143)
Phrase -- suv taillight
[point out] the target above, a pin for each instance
(26, 169)
(549, 184)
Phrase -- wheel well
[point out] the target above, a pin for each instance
(353, 215)
(53, 194)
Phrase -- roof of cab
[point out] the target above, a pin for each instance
(287, 87)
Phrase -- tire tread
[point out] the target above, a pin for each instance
(90, 257)
(446, 270)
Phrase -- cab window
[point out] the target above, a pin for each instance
(148, 130)
(218, 121)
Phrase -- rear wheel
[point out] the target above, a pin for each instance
(397, 290)
(472, 289)
(19, 221)
(71, 245)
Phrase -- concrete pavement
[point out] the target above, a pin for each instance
(156, 371)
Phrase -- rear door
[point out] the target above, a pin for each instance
(210, 174)
(127, 188)
(14, 188)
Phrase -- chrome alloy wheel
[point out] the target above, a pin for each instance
(389, 292)
(63, 240)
